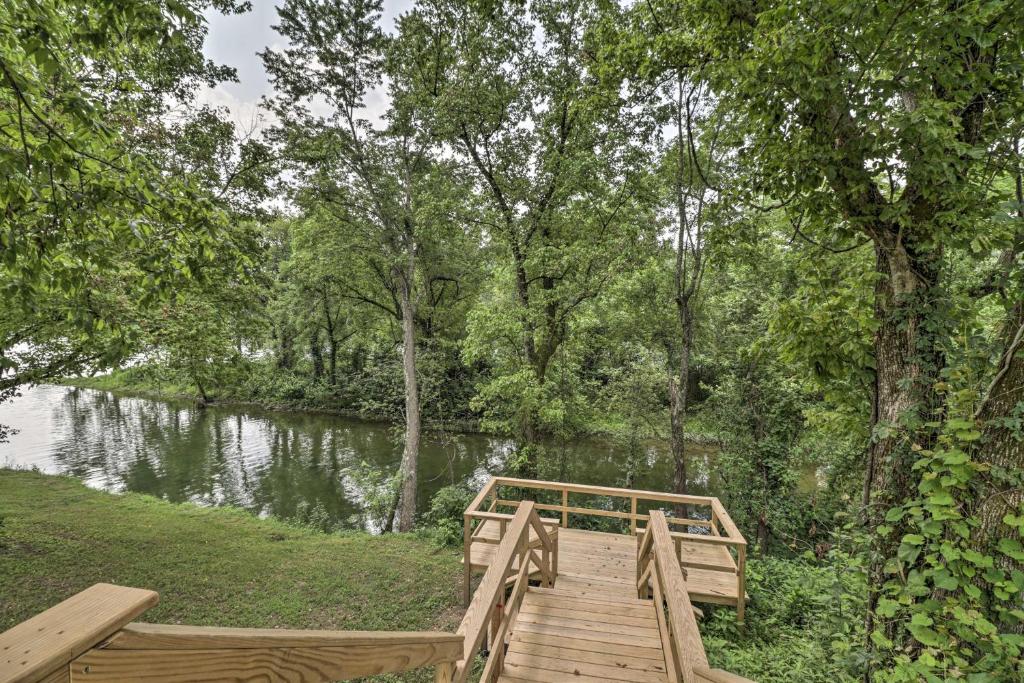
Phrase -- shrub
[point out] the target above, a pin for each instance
(444, 517)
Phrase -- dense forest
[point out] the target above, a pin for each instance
(791, 230)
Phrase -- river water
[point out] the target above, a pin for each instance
(278, 463)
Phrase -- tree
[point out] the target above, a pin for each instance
(515, 98)
(886, 124)
(95, 231)
(374, 182)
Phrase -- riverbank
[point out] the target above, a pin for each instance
(139, 382)
(213, 566)
(138, 385)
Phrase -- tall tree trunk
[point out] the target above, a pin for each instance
(1000, 491)
(1001, 446)
(316, 353)
(908, 356)
(678, 395)
(332, 361)
(410, 456)
(528, 429)
(332, 342)
(285, 348)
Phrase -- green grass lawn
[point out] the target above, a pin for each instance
(213, 566)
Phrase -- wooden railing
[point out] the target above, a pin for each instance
(721, 530)
(660, 576)
(496, 601)
(89, 637)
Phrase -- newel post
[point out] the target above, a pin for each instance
(467, 558)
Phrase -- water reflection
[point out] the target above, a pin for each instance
(281, 464)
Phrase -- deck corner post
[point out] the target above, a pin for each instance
(444, 672)
(741, 582)
(565, 508)
(632, 516)
(467, 561)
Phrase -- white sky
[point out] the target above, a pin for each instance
(235, 40)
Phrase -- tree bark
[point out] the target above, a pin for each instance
(908, 356)
(999, 491)
(678, 395)
(332, 342)
(316, 354)
(410, 455)
(528, 429)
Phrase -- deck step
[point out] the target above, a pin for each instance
(561, 634)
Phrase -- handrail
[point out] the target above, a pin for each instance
(604, 490)
(718, 513)
(490, 614)
(684, 650)
(88, 638)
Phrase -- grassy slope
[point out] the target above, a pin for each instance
(212, 566)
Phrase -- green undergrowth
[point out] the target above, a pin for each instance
(214, 566)
(801, 623)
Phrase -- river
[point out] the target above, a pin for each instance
(277, 463)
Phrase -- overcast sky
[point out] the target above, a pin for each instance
(235, 40)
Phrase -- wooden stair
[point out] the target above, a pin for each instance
(560, 636)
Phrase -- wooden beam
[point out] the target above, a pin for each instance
(175, 637)
(491, 588)
(488, 487)
(718, 676)
(206, 655)
(726, 521)
(685, 633)
(604, 491)
(45, 644)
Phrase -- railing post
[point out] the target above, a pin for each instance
(632, 515)
(497, 647)
(444, 672)
(741, 582)
(467, 558)
(554, 556)
(545, 559)
(565, 508)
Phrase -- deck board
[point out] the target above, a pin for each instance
(546, 648)
(598, 565)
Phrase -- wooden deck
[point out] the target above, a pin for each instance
(591, 559)
(610, 606)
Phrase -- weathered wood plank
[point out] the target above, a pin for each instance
(584, 634)
(609, 617)
(685, 633)
(719, 676)
(47, 642)
(291, 664)
(625, 607)
(174, 637)
(561, 669)
(581, 623)
(603, 491)
(568, 642)
(545, 676)
(559, 651)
